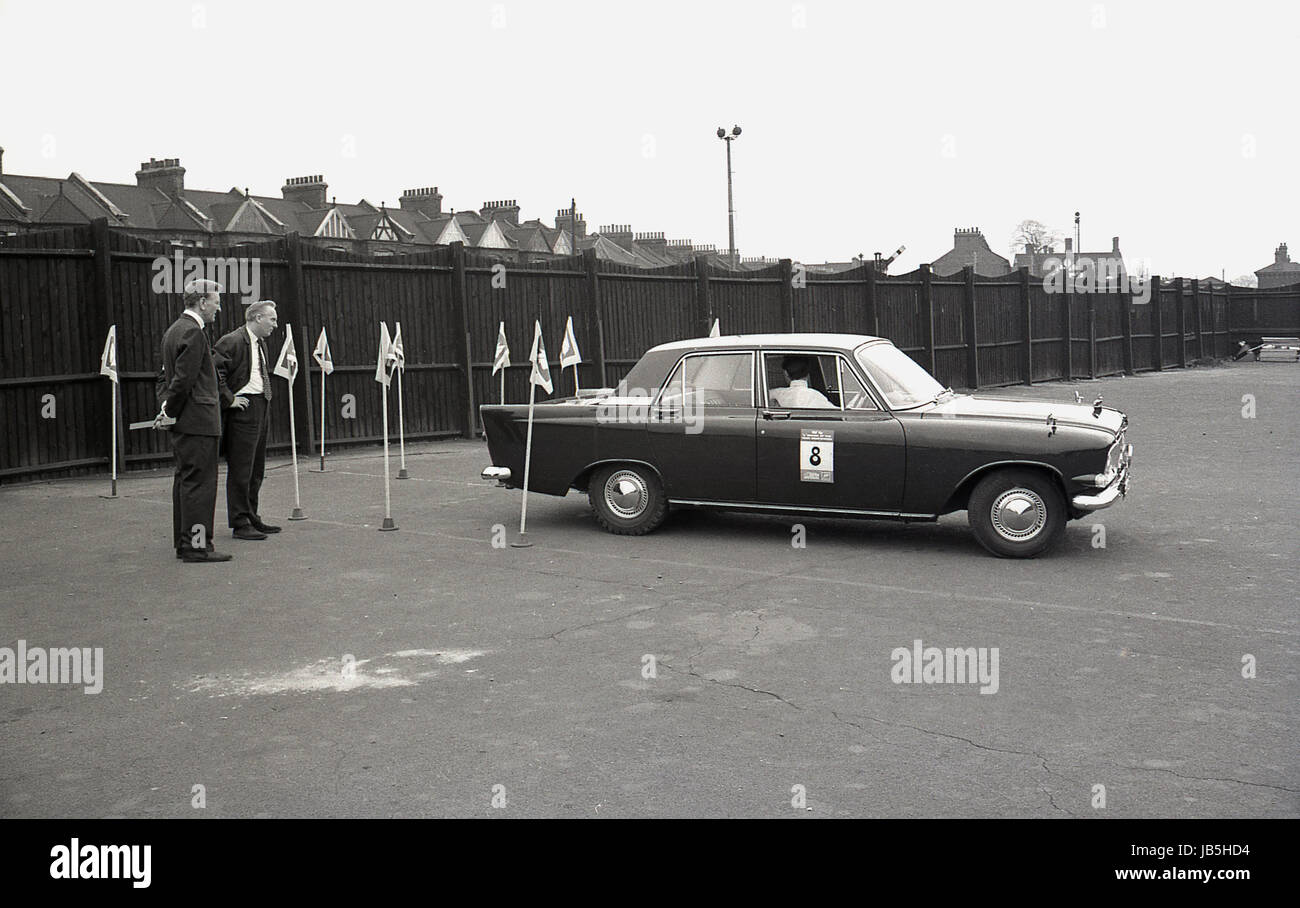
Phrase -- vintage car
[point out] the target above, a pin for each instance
(837, 425)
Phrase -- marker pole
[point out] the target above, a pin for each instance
(522, 542)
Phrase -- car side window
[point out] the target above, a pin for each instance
(711, 380)
(852, 393)
(806, 381)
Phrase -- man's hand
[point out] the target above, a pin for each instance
(239, 403)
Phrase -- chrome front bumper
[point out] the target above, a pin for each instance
(1106, 497)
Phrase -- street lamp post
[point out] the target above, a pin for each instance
(731, 209)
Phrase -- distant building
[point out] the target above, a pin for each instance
(969, 248)
(161, 207)
(1112, 261)
(1282, 273)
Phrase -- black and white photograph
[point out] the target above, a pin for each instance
(650, 411)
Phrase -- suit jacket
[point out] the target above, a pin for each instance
(234, 360)
(187, 382)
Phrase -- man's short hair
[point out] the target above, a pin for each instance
(196, 290)
(260, 307)
(796, 367)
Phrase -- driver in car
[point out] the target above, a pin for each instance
(798, 394)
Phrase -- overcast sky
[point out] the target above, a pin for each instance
(865, 126)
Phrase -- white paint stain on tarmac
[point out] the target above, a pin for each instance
(333, 675)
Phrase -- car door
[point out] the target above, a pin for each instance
(842, 452)
(701, 427)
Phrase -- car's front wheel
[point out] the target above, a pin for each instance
(1016, 513)
(628, 499)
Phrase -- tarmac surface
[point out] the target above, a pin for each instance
(709, 669)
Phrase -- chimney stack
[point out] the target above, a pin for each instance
(501, 211)
(619, 233)
(427, 201)
(1069, 245)
(1280, 257)
(1114, 245)
(2, 161)
(311, 190)
(167, 175)
(564, 221)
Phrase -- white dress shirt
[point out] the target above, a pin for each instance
(800, 395)
(254, 386)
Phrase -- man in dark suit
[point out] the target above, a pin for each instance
(243, 364)
(188, 393)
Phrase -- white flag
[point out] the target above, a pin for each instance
(569, 355)
(108, 359)
(501, 358)
(322, 353)
(541, 374)
(382, 374)
(715, 330)
(286, 365)
(395, 352)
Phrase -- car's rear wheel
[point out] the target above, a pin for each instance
(1016, 513)
(627, 499)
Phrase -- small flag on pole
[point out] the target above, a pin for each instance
(501, 358)
(108, 359)
(395, 351)
(715, 331)
(286, 365)
(569, 355)
(382, 374)
(541, 374)
(322, 353)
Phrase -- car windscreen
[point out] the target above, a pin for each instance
(899, 378)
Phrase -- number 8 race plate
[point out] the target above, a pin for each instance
(816, 456)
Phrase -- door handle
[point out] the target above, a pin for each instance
(776, 414)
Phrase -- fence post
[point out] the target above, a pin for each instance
(1182, 323)
(1068, 305)
(704, 295)
(1027, 308)
(1126, 325)
(100, 240)
(1227, 319)
(1092, 334)
(589, 264)
(873, 315)
(460, 306)
(787, 294)
(1158, 323)
(927, 298)
(292, 312)
(972, 334)
(1196, 309)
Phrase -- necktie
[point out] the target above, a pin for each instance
(261, 365)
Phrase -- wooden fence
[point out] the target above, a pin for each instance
(60, 290)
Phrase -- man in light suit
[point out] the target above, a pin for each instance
(242, 363)
(188, 393)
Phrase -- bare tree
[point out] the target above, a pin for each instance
(1036, 235)
(1245, 280)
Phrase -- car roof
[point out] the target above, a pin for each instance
(831, 341)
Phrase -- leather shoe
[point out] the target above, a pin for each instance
(181, 552)
(264, 527)
(248, 532)
(192, 556)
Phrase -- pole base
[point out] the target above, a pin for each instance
(320, 469)
(111, 497)
(522, 542)
(112, 491)
(388, 526)
(402, 474)
(297, 514)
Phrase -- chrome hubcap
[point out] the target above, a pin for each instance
(1018, 514)
(626, 494)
